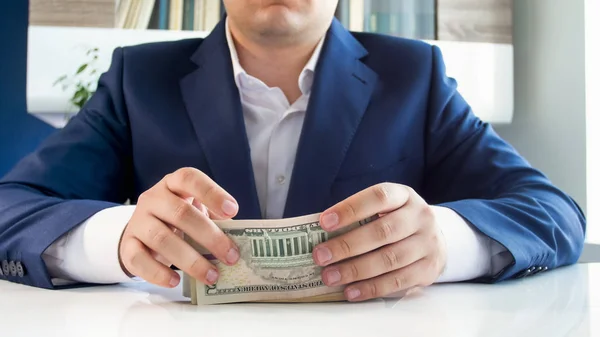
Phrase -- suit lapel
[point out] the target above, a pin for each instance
(340, 95)
(213, 104)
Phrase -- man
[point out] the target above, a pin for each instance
(281, 112)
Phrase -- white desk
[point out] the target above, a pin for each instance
(564, 302)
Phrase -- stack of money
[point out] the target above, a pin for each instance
(276, 263)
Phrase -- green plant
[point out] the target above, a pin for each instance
(83, 82)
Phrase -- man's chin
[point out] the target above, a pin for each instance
(280, 27)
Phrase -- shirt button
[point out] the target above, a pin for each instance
(281, 180)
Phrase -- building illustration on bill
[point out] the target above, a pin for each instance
(285, 247)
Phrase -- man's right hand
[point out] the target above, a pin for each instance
(179, 203)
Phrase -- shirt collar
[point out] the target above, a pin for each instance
(305, 81)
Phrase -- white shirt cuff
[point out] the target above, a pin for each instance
(469, 254)
(90, 252)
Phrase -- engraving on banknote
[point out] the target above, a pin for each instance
(281, 256)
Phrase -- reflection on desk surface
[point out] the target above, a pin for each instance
(563, 302)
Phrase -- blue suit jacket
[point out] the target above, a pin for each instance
(381, 110)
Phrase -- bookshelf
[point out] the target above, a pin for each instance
(198, 15)
(405, 18)
(475, 37)
(445, 20)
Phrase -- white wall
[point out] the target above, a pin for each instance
(484, 71)
(550, 109)
(592, 64)
(65, 49)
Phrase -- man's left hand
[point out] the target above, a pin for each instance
(402, 249)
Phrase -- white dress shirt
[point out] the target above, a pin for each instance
(89, 253)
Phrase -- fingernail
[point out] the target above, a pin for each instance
(330, 220)
(332, 277)
(174, 281)
(211, 276)
(323, 255)
(352, 293)
(232, 256)
(229, 207)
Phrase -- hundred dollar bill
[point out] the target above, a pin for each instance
(275, 265)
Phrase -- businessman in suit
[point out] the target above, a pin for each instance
(281, 112)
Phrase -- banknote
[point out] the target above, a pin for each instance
(275, 265)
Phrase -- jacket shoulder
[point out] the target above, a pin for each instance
(398, 61)
(159, 60)
(389, 47)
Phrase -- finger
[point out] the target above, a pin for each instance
(161, 258)
(157, 236)
(191, 220)
(214, 216)
(379, 262)
(139, 262)
(210, 214)
(381, 198)
(393, 282)
(190, 182)
(388, 229)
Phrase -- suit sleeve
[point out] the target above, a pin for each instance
(78, 171)
(472, 171)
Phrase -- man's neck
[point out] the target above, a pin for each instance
(275, 65)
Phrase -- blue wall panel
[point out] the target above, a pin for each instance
(20, 133)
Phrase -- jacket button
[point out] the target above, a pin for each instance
(13, 268)
(20, 269)
(5, 268)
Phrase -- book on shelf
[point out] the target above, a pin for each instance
(188, 14)
(163, 14)
(176, 15)
(342, 13)
(212, 14)
(201, 15)
(133, 14)
(356, 15)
